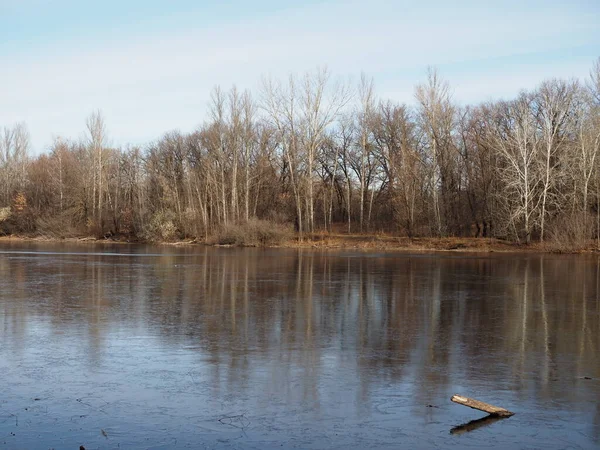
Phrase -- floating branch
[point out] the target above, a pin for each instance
(481, 406)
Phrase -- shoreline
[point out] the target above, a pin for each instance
(356, 242)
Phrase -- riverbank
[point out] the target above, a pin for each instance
(359, 242)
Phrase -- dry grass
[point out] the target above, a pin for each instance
(387, 242)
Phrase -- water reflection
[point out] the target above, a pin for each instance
(476, 424)
(342, 337)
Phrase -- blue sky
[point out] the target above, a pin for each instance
(150, 65)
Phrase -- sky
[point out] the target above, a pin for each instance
(149, 65)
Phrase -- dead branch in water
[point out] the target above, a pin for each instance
(481, 406)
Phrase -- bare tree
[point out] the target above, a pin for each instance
(280, 103)
(515, 139)
(436, 114)
(554, 100)
(58, 152)
(235, 142)
(14, 158)
(321, 102)
(345, 139)
(589, 140)
(365, 119)
(249, 145)
(397, 148)
(97, 137)
(479, 162)
(588, 136)
(218, 114)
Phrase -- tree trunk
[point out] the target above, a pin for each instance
(348, 205)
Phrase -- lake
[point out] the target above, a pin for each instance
(117, 346)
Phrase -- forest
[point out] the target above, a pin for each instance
(311, 153)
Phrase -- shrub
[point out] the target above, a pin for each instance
(161, 227)
(570, 233)
(4, 214)
(253, 233)
(191, 224)
(5, 223)
(18, 218)
(17, 224)
(59, 226)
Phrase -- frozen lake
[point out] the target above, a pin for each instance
(164, 347)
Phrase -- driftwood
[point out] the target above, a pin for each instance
(481, 406)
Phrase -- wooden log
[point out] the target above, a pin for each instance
(481, 406)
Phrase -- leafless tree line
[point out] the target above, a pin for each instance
(323, 155)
